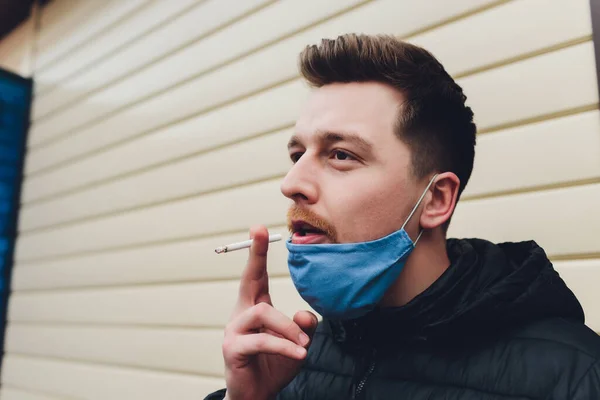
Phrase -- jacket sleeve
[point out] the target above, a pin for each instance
(218, 395)
(589, 386)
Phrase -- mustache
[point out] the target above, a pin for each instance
(297, 213)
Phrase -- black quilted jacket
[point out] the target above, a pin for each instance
(499, 324)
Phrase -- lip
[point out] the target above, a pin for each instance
(309, 238)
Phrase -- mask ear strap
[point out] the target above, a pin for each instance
(418, 237)
(419, 203)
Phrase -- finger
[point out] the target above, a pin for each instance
(264, 316)
(248, 345)
(254, 284)
(307, 321)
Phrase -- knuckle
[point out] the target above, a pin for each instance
(261, 309)
(291, 348)
(227, 345)
(292, 328)
(229, 341)
(260, 342)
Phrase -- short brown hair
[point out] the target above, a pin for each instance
(434, 121)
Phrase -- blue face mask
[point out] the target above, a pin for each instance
(347, 280)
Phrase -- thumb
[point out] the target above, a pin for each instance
(307, 321)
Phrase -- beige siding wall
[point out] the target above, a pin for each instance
(159, 133)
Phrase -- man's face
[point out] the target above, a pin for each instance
(351, 178)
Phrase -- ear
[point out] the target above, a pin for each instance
(441, 201)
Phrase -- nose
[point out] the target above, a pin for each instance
(300, 183)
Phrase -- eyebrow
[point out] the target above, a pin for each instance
(335, 137)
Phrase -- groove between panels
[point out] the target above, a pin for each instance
(524, 56)
(534, 188)
(107, 364)
(136, 285)
(36, 392)
(117, 325)
(539, 118)
(575, 257)
(456, 18)
(95, 325)
(127, 368)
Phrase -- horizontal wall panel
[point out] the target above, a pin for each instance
(535, 155)
(518, 101)
(538, 160)
(196, 351)
(96, 382)
(556, 21)
(168, 262)
(582, 276)
(257, 30)
(563, 221)
(168, 37)
(80, 28)
(521, 91)
(8, 393)
(165, 305)
(255, 74)
(261, 113)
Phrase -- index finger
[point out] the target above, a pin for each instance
(254, 284)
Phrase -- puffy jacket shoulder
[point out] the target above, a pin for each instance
(565, 356)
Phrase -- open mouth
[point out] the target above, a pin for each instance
(305, 233)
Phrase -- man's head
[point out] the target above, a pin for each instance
(384, 118)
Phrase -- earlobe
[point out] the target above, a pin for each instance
(441, 201)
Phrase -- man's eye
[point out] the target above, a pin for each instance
(295, 157)
(342, 155)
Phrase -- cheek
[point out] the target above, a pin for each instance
(368, 210)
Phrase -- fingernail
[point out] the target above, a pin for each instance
(303, 338)
(301, 351)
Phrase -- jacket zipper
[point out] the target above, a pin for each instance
(363, 381)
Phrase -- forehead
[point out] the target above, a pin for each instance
(368, 108)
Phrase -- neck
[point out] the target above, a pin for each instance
(424, 266)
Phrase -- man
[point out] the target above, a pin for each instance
(381, 154)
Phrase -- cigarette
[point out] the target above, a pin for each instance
(244, 245)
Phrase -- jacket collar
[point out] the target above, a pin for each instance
(487, 289)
